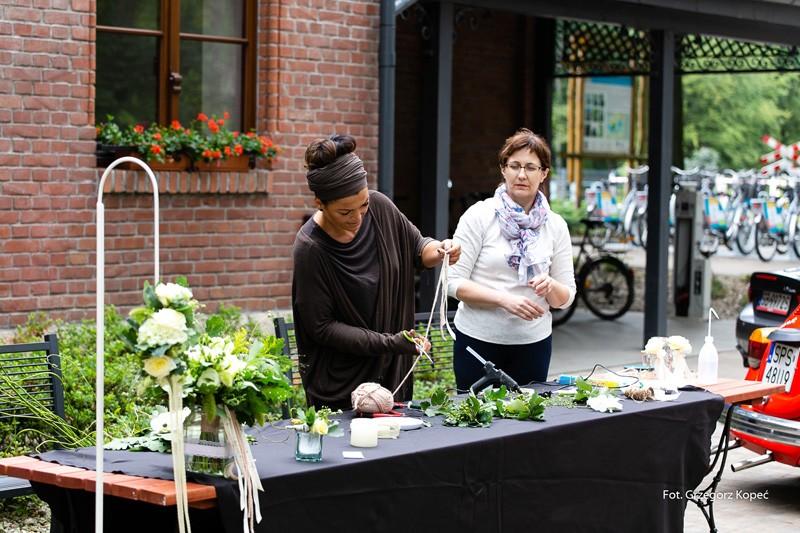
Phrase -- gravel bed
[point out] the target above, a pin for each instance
(24, 515)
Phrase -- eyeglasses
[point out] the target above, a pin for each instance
(530, 168)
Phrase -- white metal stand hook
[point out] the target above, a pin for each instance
(100, 320)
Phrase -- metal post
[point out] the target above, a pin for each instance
(662, 84)
(435, 137)
(386, 103)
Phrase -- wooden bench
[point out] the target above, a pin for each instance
(36, 367)
(154, 491)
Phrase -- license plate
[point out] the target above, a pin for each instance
(781, 364)
(774, 302)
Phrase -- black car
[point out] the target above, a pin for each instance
(773, 296)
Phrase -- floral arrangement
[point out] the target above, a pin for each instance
(232, 378)
(316, 422)
(206, 138)
(236, 372)
(215, 370)
(667, 355)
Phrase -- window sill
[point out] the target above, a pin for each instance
(256, 181)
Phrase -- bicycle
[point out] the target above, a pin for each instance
(604, 283)
(777, 221)
(619, 220)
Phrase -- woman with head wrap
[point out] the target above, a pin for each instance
(516, 264)
(353, 285)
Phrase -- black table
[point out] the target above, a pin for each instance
(577, 471)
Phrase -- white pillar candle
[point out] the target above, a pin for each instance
(363, 433)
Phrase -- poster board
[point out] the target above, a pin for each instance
(607, 115)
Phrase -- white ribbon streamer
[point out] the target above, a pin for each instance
(247, 473)
(175, 391)
(440, 297)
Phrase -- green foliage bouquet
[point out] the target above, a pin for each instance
(215, 370)
(236, 372)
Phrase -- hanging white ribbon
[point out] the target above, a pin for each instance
(175, 391)
(247, 473)
(440, 298)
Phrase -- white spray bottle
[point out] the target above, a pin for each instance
(708, 359)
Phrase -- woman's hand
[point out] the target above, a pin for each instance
(522, 307)
(452, 248)
(542, 285)
(423, 344)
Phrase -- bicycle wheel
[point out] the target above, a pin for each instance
(795, 233)
(744, 236)
(606, 287)
(766, 245)
(641, 224)
(562, 315)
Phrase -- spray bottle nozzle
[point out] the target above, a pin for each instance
(710, 311)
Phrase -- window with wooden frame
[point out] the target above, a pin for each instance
(160, 60)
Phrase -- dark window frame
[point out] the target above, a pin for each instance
(170, 37)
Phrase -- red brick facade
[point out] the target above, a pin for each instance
(231, 235)
(317, 74)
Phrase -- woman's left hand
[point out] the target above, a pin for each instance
(452, 248)
(542, 285)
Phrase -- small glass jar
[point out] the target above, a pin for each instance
(309, 447)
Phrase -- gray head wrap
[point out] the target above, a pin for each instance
(344, 177)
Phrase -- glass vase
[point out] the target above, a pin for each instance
(309, 447)
(206, 449)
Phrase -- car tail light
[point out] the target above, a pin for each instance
(756, 345)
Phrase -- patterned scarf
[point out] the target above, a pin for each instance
(521, 230)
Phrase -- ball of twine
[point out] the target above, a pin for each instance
(372, 398)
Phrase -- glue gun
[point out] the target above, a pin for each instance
(491, 375)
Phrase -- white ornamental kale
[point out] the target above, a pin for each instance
(677, 343)
(164, 327)
(654, 345)
(173, 294)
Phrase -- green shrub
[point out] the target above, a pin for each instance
(571, 213)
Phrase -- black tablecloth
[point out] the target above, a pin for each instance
(577, 471)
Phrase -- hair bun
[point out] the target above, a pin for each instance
(323, 152)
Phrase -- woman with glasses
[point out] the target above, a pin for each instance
(516, 263)
(353, 284)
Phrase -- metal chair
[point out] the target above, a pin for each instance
(37, 367)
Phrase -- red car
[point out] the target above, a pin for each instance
(772, 429)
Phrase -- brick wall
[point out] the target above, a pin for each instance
(317, 73)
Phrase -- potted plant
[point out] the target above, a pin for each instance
(311, 425)
(223, 149)
(207, 145)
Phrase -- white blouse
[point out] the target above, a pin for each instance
(483, 260)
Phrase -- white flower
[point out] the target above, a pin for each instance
(159, 366)
(654, 345)
(169, 293)
(166, 326)
(677, 343)
(604, 403)
(229, 368)
(320, 427)
(161, 422)
(209, 377)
